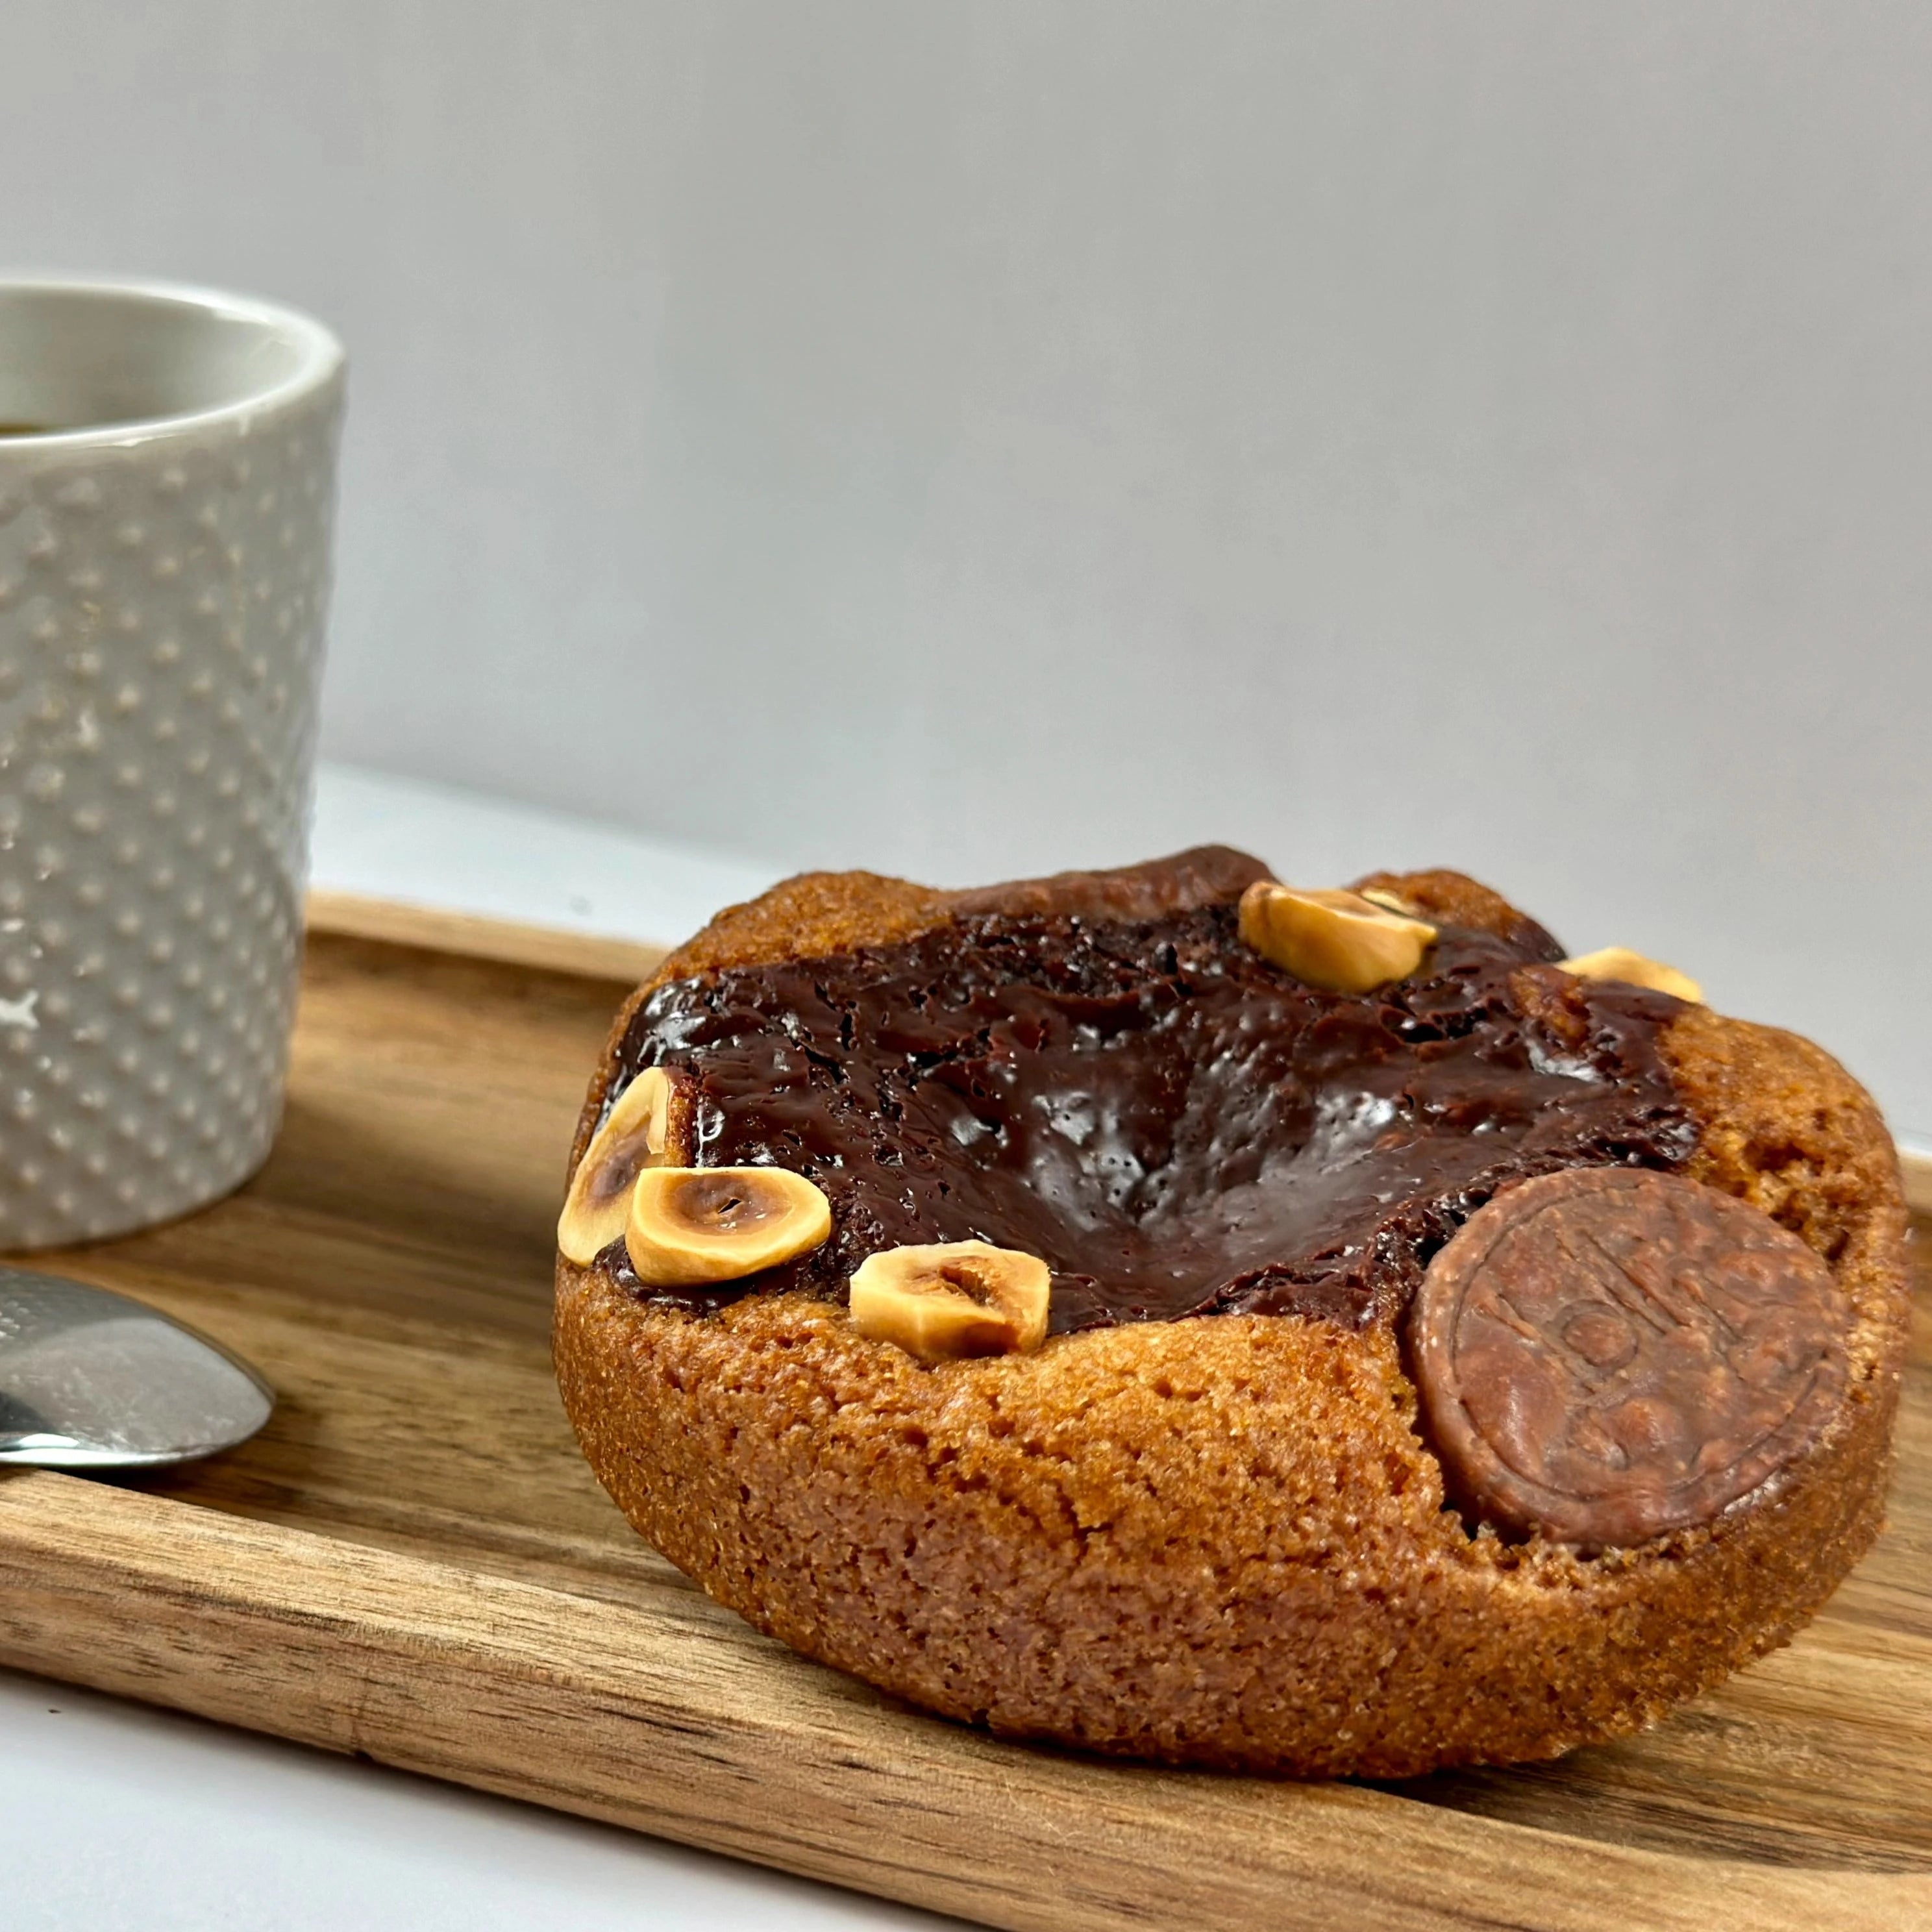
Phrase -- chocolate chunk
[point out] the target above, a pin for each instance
(1603, 1355)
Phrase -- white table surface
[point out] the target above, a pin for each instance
(113, 1816)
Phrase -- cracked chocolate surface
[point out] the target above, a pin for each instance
(1176, 1127)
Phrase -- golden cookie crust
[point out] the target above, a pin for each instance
(1219, 1541)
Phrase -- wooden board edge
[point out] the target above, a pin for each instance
(626, 1715)
(471, 936)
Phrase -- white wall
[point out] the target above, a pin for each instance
(983, 437)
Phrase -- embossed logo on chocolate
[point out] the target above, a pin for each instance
(1606, 1354)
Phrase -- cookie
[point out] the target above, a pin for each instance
(1245, 1493)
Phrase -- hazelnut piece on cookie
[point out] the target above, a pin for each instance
(649, 1126)
(690, 1226)
(1619, 962)
(1341, 942)
(953, 1300)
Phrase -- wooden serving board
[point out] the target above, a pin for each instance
(413, 1564)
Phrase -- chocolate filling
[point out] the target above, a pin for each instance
(1176, 1127)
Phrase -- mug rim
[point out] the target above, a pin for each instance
(321, 356)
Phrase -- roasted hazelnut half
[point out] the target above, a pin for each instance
(1339, 941)
(953, 1300)
(649, 1126)
(691, 1225)
(1619, 962)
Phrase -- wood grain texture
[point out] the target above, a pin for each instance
(413, 1562)
(475, 937)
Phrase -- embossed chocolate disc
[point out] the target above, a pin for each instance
(1605, 1353)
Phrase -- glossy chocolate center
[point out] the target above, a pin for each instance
(1177, 1127)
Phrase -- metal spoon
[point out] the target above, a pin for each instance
(91, 1380)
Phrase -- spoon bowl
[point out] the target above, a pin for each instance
(91, 1380)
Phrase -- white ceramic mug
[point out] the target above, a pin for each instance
(167, 465)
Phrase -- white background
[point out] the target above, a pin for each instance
(972, 439)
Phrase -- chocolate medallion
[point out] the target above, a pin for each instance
(1606, 1354)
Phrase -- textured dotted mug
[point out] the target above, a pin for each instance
(167, 461)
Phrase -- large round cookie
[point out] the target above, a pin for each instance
(1223, 1540)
